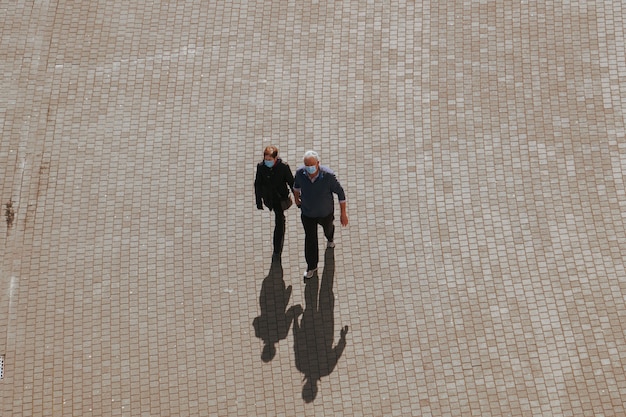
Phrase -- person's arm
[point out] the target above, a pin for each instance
(289, 177)
(296, 197)
(341, 195)
(296, 190)
(258, 192)
(344, 213)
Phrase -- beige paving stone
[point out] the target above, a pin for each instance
(482, 148)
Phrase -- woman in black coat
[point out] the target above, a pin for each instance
(273, 181)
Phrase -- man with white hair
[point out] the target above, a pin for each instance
(313, 189)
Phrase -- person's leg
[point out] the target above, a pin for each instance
(310, 242)
(279, 230)
(328, 226)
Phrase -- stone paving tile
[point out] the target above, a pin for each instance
(482, 148)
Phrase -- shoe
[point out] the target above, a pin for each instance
(309, 273)
(330, 244)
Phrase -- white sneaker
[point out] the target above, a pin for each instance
(309, 273)
(330, 244)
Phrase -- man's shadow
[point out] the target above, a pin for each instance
(275, 320)
(313, 335)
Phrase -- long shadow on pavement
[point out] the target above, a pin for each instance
(275, 320)
(313, 335)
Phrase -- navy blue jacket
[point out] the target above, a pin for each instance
(317, 196)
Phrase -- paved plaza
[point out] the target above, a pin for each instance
(482, 148)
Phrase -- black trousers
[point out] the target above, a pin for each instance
(311, 250)
(279, 228)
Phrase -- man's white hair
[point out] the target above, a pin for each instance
(309, 154)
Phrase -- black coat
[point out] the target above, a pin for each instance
(270, 184)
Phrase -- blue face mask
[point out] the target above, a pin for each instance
(269, 164)
(311, 169)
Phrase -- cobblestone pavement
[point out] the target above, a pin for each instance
(482, 148)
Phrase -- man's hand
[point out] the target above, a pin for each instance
(344, 213)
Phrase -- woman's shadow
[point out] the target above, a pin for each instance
(313, 335)
(275, 320)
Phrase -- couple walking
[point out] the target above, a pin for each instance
(313, 187)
